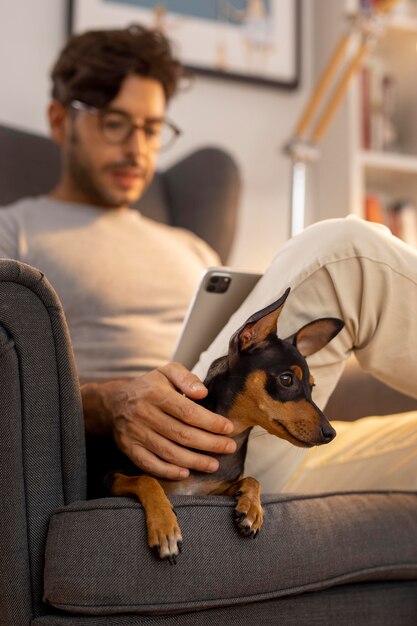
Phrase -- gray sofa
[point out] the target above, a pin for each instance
(348, 558)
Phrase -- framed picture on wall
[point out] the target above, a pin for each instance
(252, 40)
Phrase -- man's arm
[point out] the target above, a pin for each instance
(155, 425)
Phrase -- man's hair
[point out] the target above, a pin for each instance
(92, 66)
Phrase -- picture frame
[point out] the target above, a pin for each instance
(256, 41)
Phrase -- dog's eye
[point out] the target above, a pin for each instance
(286, 379)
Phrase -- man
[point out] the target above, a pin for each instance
(115, 271)
(116, 274)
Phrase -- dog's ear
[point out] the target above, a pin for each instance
(314, 336)
(257, 328)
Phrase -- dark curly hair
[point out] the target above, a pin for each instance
(92, 66)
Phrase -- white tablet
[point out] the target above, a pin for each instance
(219, 294)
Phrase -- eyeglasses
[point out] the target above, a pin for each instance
(117, 127)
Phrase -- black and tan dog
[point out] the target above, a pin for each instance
(262, 381)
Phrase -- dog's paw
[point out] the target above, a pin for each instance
(249, 517)
(164, 537)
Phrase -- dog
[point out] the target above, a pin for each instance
(263, 380)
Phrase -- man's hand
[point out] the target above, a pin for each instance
(151, 421)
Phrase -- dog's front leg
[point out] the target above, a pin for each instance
(164, 534)
(248, 511)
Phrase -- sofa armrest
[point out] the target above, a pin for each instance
(42, 453)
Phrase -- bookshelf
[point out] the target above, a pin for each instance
(352, 168)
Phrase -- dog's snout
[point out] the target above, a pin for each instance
(328, 433)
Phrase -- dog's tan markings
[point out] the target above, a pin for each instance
(311, 380)
(297, 421)
(297, 371)
(164, 534)
(249, 513)
(301, 421)
(251, 401)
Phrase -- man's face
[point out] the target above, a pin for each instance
(114, 175)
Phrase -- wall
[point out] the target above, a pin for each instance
(252, 122)
(31, 34)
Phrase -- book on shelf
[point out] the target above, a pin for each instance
(404, 221)
(368, 5)
(399, 215)
(403, 8)
(374, 210)
(378, 91)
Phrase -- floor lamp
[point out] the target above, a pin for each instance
(366, 26)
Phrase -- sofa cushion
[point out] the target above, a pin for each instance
(98, 562)
(391, 603)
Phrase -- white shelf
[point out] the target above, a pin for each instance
(388, 161)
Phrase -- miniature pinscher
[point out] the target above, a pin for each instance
(263, 380)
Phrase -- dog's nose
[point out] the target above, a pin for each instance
(328, 433)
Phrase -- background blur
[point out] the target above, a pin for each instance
(254, 122)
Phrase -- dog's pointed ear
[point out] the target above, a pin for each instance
(257, 328)
(314, 336)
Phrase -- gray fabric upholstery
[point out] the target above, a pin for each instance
(29, 164)
(215, 177)
(200, 193)
(306, 543)
(374, 604)
(41, 444)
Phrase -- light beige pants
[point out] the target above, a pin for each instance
(357, 271)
